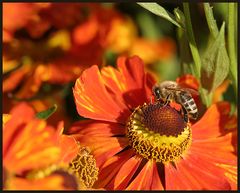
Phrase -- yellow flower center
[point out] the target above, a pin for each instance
(158, 133)
(81, 173)
(85, 168)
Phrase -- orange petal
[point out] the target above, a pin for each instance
(57, 181)
(132, 69)
(7, 36)
(14, 18)
(93, 100)
(103, 147)
(115, 83)
(85, 32)
(69, 148)
(28, 143)
(219, 148)
(20, 114)
(156, 182)
(5, 118)
(144, 180)
(68, 145)
(111, 167)
(114, 91)
(153, 50)
(33, 147)
(15, 78)
(97, 128)
(57, 72)
(231, 174)
(125, 173)
(149, 82)
(126, 86)
(213, 122)
(195, 173)
(188, 81)
(121, 35)
(220, 151)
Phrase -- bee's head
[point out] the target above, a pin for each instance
(156, 90)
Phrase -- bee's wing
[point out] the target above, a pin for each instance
(192, 91)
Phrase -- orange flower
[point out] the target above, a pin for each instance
(153, 50)
(140, 146)
(121, 35)
(37, 156)
(65, 51)
(24, 139)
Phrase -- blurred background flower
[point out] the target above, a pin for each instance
(38, 156)
(44, 52)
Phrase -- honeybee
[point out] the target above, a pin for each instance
(167, 91)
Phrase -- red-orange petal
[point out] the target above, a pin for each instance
(21, 114)
(220, 152)
(213, 122)
(87, 31)
(69, 148)
(219, 148)
(28, 143)
(144, 180)
(125, 173)
(109, 95)
(103, 147)
(195, 173)
(93, 100)
(111, 167)
(99, 137)
(132, 70)
(68, 145)
(188, 81)
(14, 18)
(7, 36)
(97, 128)
(15, 78)
(156, 182)
(115, 83)
(62, 181)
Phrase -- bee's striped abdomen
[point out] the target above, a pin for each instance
(190, 106)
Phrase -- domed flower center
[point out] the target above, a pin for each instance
(85, 168)
(158, 133)
(165, 121)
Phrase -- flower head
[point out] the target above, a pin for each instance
(38, 156)
(142, 145)
(67, 43)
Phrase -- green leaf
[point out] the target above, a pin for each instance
(179, 15)
(184, 50)
(47, 113)
(215, 63)
(160, 11)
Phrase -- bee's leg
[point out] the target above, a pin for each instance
(167, 101)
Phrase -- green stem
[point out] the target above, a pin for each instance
(231, 44)
(194, 50)
(212, 25)
(192, 42)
